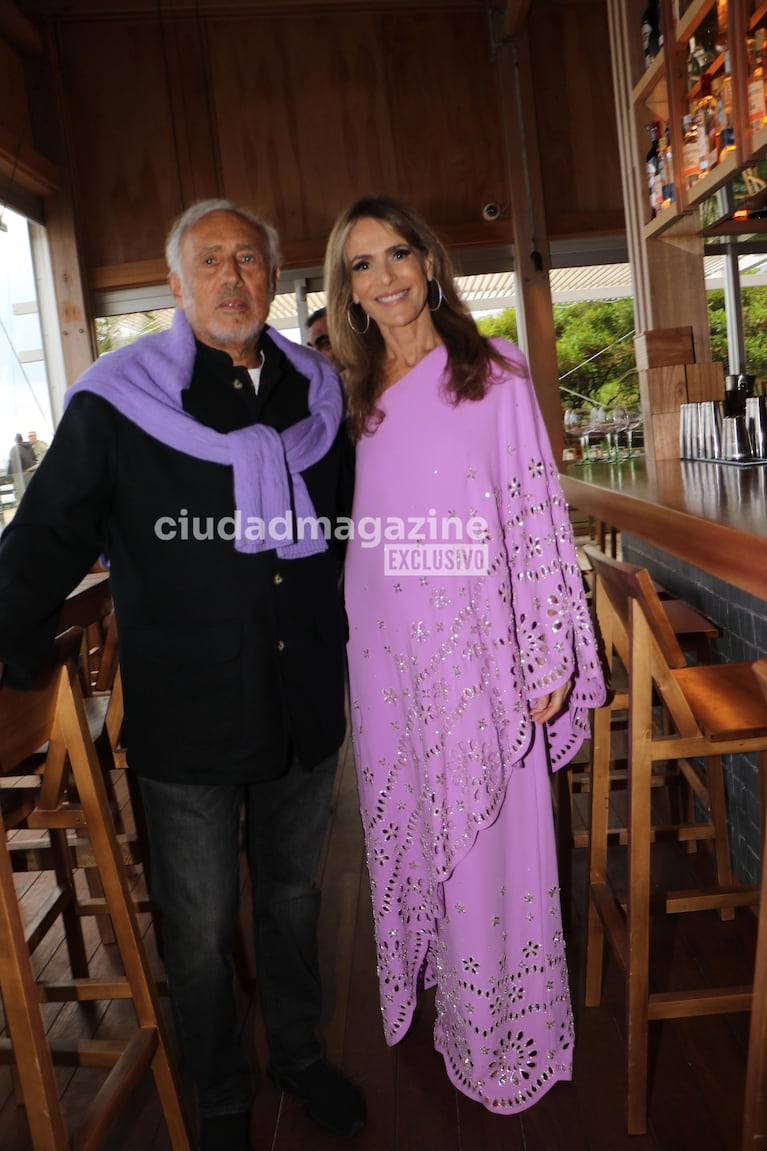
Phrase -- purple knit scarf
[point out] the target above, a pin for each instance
(144, 381)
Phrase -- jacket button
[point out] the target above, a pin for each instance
(278, 578)
(280, 645)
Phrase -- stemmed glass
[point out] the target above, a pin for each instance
(624, 421)
(610, 425)
(600, 424)
(621, 423)
(634, 421)
(579, 427)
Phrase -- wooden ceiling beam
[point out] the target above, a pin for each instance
(167, 9)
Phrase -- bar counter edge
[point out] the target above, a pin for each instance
(701, 530)
(713, 516)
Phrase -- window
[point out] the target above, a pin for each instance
(25, 403)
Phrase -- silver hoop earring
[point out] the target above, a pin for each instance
(440, 296)
(357, 331)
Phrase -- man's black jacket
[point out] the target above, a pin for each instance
(230, 661)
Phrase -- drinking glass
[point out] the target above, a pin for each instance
(577, 425)
(634, 420)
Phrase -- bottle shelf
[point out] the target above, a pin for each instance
(759, 142)
(686, 24)
(758, 15)
(650, 79)
(664, 219)
(708, 184)
(715, 68)
(667, 91)
(736, 228)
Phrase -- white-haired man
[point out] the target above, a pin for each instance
(188, 458)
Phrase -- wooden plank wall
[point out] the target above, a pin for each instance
(293, 115)
(298, 110)
(24, 171)
(577, 122)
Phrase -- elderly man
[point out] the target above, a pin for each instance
(191, 459)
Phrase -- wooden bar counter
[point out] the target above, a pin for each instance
(711, 515)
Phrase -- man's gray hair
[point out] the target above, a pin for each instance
(202, 208)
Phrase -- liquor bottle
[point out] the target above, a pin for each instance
(721, 25)
(725, 115)
(667, 168)
(757, 107)
(690, 158)
(652, 37)
(652, 162)
(706, 117)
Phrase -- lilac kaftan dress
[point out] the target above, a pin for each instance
(453, 776)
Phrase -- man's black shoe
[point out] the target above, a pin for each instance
(225, 1132)
(331, 1100)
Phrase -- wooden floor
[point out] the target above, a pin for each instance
(697, 1065)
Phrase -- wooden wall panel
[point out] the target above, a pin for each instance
(572, 76)
(349, 104)
(301, 120)
(450, 151)
(14, 109)
(23, 169)
(123, 137)
(296, 112)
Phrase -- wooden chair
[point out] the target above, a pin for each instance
(705, 712)
(52, 714)
(755, 1109)
(694, 633)
(89, 607)
(105, 713)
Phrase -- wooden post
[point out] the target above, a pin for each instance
(535, 317)
(668, 272)
(75, 322)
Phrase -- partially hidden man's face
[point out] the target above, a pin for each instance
(226, 285)
(319, 339)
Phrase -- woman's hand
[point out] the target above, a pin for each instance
(545, 708)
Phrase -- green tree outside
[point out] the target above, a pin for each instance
(595, 344)
(754, 303)
(595, 350)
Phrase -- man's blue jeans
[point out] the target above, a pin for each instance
(194, 836)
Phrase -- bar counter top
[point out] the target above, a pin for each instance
(712, 515)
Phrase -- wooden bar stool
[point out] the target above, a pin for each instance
(694, 633)
(679, 714)
(105, 712)
(52, 714)
(755, 1109)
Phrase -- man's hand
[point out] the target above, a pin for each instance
(545, 708)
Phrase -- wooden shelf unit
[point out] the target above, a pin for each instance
(666, 91)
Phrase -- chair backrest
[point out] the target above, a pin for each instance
(27, 717)
(647, 645)
(108, 662)
(622, 583)
(53, 713)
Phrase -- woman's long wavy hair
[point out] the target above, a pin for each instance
(470, 357)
